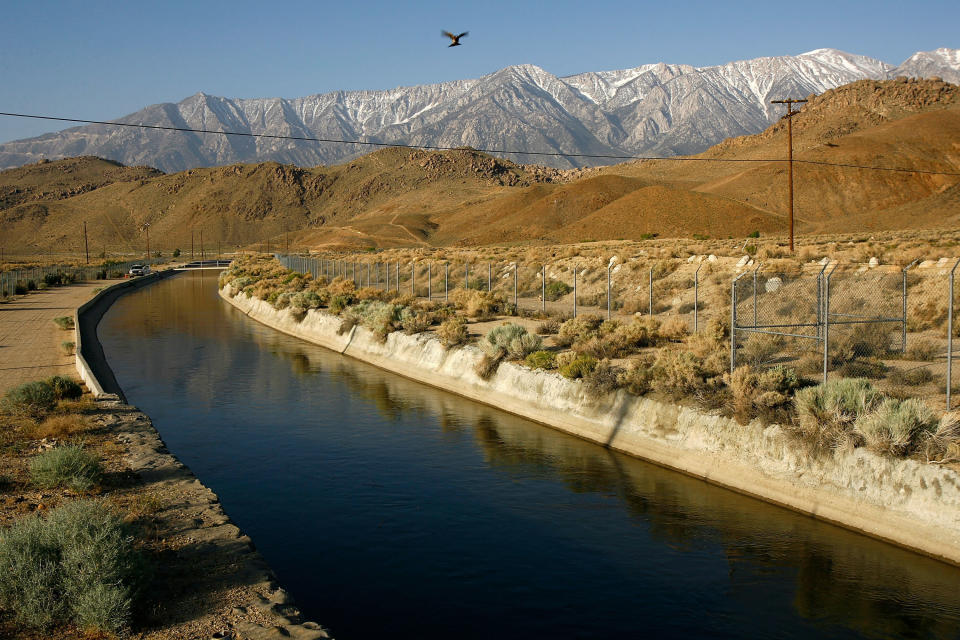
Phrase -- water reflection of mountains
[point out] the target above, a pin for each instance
(839, 577)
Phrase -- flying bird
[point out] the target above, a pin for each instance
(456, 39)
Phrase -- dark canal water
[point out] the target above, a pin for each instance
(389, 509)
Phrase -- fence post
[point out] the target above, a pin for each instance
(466, 275)
(543, 287)
(413, 279)
(651, 291)
(574, 291)
(489, 281)
(608, 291)
(826, 322)
(446, 274)
(820, 302)
(903, 343)
(755, 296)
(398, 275)
(950, 334)
(429, 281)
(516, 300)
(696, 297)
(733, 322)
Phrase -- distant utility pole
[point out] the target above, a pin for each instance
(86, 247)
(146, 227)
(191, 245)
(201, 245)
(789, 118)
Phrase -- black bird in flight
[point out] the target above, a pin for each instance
(456, 39)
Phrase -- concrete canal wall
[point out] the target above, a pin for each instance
(906, 502)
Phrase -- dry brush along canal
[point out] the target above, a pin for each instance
(390, 509)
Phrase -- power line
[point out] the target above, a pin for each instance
(481, 150)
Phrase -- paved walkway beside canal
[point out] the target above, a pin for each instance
(30, 342)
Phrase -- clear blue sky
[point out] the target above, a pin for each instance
(104, 59)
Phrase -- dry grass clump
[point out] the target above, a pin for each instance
(924, 350)
(61, 427)
(896, 427)
(910, 377)
(943, 444)
(760, 349)
(827, 412)
(678, 373)
(549, 327)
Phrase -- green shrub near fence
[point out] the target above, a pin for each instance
(32, 399)
(66, 466)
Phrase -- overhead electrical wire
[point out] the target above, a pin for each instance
(496, 151)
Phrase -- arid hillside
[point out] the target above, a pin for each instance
(401, 197)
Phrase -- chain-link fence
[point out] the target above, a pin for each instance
(560, 289)
(15, 282)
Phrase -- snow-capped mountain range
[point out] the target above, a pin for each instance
(658, 109)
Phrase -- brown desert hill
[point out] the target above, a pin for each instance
(63, 179)
(403, 197)
(664, 211)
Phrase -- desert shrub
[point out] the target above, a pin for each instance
(896, 427)
(453, 331)
(64, 388)
(678, 373)
(578, 328)
(66, 466)
(638, 377)
(341, 286)
(414, 321)
(541, 360)
(52, 279)
(674, 328)
(20, 289)
(910, 377)
(865, 368)
(923, 350)
(827, 412)
(478, 304)
(381, 318)
(864, 341)
(603, 379)
(33, 399)
(303, 301)
(77, 565)
(523, 345)
(580, 366)
(64, 322)
(556, 290)
(760, 392)
(68, 347)
(759, 349)
(510, 340)
(340, 301)
(548, 327)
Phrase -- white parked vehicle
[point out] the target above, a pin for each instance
(139, 270)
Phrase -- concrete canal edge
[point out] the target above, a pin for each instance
(904, 502)
(272, 613)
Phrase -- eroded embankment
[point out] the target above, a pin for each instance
(911, 504)
(216, 581)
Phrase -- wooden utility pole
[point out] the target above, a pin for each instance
(191, 245)
(86, 247)
(201, 245)
(146, 227)
(789, 118)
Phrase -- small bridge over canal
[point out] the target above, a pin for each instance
(219, 264)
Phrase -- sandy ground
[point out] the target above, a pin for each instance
(30, 341)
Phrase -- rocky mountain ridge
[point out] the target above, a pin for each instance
(654, 109)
